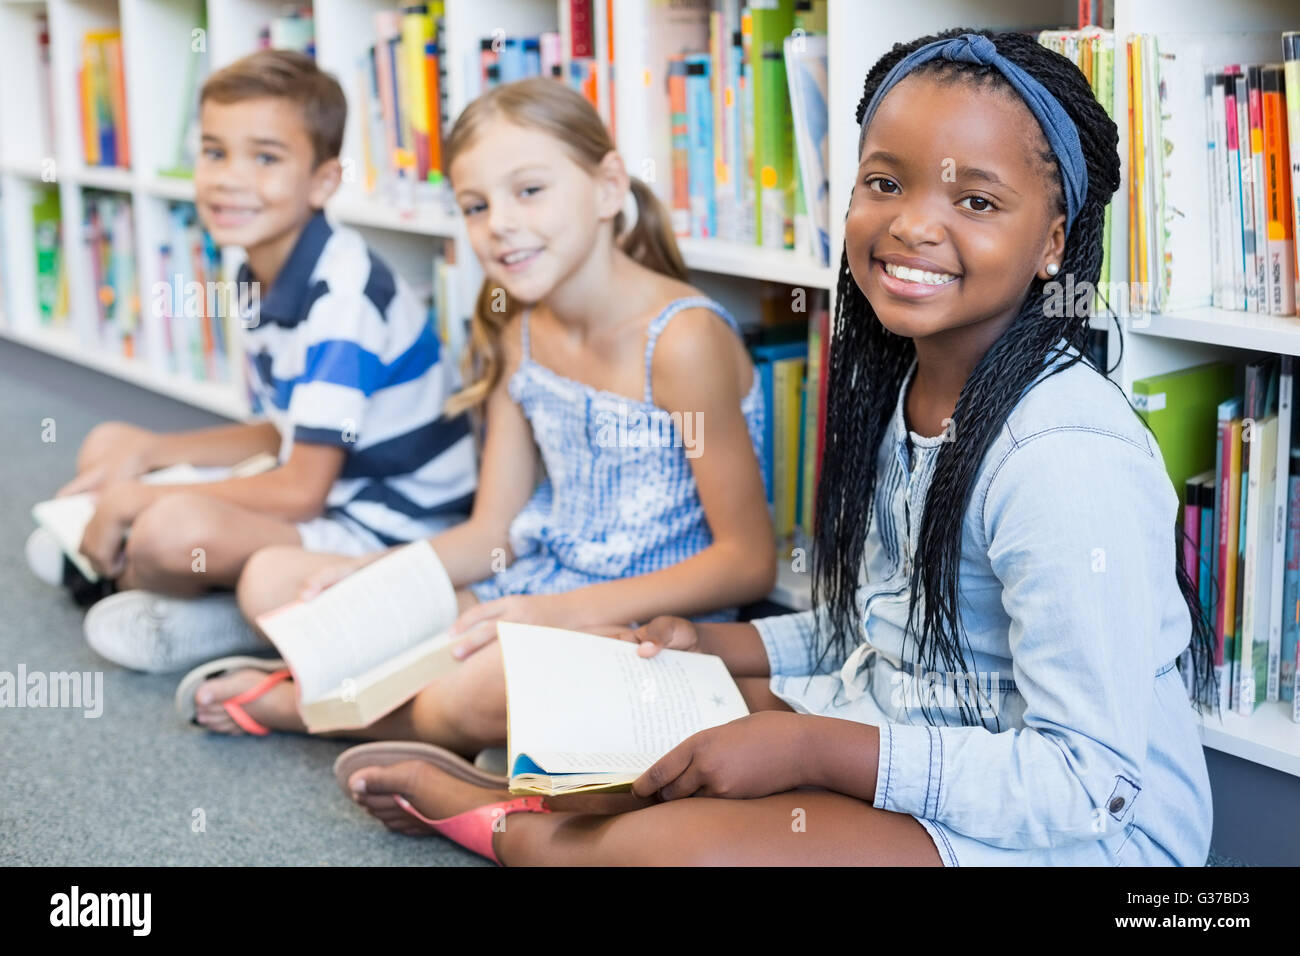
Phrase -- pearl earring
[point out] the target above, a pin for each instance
(1053, 268)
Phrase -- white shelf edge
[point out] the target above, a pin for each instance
(169, 187)
(424, 219)
(1268, 736)
(1210, 326)
(752, 262)
(106, 177)
(793, 588)
(218, 397)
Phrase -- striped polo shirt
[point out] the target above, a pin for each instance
(341, 352)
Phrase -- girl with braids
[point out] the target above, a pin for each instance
(590, 348)
(989, 675)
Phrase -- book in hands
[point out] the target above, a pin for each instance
(66, 518)
(589, 714)
(366, 645)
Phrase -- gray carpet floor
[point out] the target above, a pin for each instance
(126, 788)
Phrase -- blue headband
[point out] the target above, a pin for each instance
(1060, 130)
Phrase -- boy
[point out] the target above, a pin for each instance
(341, 358)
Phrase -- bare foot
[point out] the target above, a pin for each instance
(433, 792)
(277, 708)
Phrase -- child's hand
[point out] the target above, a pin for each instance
(478, 625)
(112, 453)
(750, 757)
(332, 574)
(115, 510)
(675, 633)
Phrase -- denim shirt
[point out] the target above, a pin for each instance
(1072, 621)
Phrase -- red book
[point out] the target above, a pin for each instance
(582, 29)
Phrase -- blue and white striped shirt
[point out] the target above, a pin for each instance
(341, 352)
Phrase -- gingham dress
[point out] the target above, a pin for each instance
(618, 499)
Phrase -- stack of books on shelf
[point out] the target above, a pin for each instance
(1228, 439)
(1092, 50)
(190, 326)
(737, 110)
(504, 59)
(584, 65)
(108, 232)
(400, 85)
(294, 29)
(189, 134)
(791, 368)
(1214, 162)
(101, 86)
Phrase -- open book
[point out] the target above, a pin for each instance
(588, 714)
(371, 642)
(66, 518)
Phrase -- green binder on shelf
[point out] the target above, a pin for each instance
(1181, 408)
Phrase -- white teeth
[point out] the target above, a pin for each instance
(918, 275)
(513, 257)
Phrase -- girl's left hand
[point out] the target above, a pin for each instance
(478, 625)
(752, 756)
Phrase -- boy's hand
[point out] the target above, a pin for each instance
(332, 574)
(752, 756)
(121, 454)
(675, 633)
(478, 625)
(115, 510)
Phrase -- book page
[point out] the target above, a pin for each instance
(367, 618)
(66, 518)
(579, 703)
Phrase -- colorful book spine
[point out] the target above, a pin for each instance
(1291, 84)
(1281, 238)
(1247, 174)
(1228, 501)
(1291, 583)
(699, 146)
(680, 209)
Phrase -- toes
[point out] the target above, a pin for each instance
(403, 778)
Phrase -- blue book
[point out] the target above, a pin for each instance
(699, 126)
(512, 60)
(532, 57)
(764, 356)
(1207, 548)
(1291, 583)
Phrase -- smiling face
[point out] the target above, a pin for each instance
(532, 214)
(953, 211)
(256, 183)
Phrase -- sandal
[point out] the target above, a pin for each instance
(389, 752)
(276, 672)
(473, 829)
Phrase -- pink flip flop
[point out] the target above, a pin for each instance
(276, 672)
(473, 829)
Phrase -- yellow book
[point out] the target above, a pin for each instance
(621, 712)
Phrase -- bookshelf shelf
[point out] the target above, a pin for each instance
(169, 187)
(1268, 736)
(748, 262)
(111, 178)
(1239, 330)
(158, 38)
(793, 588)
(220, 398)
(426, 219)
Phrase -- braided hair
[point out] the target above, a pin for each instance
(868, 362)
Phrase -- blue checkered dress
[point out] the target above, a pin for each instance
(618, 499)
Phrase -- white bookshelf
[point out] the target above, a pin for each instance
(157, 38)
